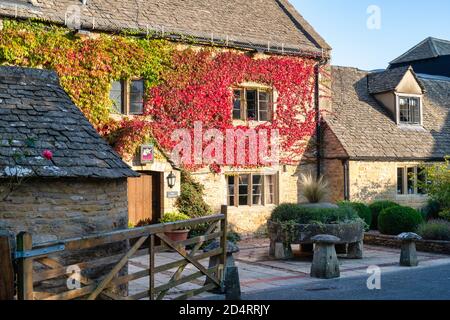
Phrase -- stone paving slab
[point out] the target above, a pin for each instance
(257, 271)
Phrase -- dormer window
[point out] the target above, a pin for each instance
(409, 110)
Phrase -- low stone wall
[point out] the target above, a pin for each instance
(377, 239)
(56, 209)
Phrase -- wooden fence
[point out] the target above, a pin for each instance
(38, 264)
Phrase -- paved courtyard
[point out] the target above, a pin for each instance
(259, 272)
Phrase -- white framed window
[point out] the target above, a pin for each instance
(252, 189)
(409, 110)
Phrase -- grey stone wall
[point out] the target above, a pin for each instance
(53, 209)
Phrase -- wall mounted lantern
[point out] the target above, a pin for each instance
(171, 180)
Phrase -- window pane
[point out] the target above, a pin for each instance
(411, 178)
(257, 181)
(251, 104)
(415, 110)
(270, 187)
(400, 179)
(137, 97)
(237, 104)
(404, 110)
(243, 190)
(116, 95)
(231, 191)
(263, 106)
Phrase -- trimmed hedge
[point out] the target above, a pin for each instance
(395, 220)
(362, 210)
(376, 208)
(435, 230)
(303, 215)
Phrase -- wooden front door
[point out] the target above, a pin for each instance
(144, 198)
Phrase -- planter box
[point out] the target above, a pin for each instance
(434, 246)
(351, 234)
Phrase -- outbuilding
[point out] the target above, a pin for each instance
(58, 178)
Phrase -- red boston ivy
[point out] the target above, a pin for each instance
(197, 87)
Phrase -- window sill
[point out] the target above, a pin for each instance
(253, 206)
(411, 127)
(415, 196)
(250, 122)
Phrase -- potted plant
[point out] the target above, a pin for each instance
(175, 235)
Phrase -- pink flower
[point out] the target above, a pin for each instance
(47, 154)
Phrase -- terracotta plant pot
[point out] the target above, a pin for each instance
(177, 235)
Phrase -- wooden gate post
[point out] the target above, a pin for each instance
(223, 242)
(24, 268)
(6, 269)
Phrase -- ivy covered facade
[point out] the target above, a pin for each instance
(138, 87)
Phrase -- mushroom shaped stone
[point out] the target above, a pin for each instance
(409, 236)
(231, 247)
(325, 238)
(215, 260)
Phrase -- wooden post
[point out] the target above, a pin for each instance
(24, 268)
(6, 269)
(223, 241)
(151, 254)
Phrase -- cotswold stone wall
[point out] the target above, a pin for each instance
(372, 180)
(55, 209)
(252, 220)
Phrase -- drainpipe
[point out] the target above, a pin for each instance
(345, 165)
(323, 61)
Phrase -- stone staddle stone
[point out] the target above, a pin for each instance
(325, 262)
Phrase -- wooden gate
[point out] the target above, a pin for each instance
(41, 263)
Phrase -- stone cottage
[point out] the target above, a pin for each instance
(257, 28)
(58, 178)
(384, 126)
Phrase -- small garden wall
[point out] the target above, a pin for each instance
(377, 239)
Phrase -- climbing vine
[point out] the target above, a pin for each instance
(183, 85)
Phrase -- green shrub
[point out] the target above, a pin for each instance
(173, 217)
(191, 202)
(305, 215)
(395, 220)
(432, 209)
(362, 210)
(445, 215)
(435, 230)
(376, 208)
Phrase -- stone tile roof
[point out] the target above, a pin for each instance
(388, 80)
(427, 49)
(367, 131)
(36, 114)
(261, 22)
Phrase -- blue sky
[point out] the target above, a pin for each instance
(404, 23)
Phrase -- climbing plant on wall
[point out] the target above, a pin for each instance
(183, 85)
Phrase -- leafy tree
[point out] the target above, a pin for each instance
(438, 183)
